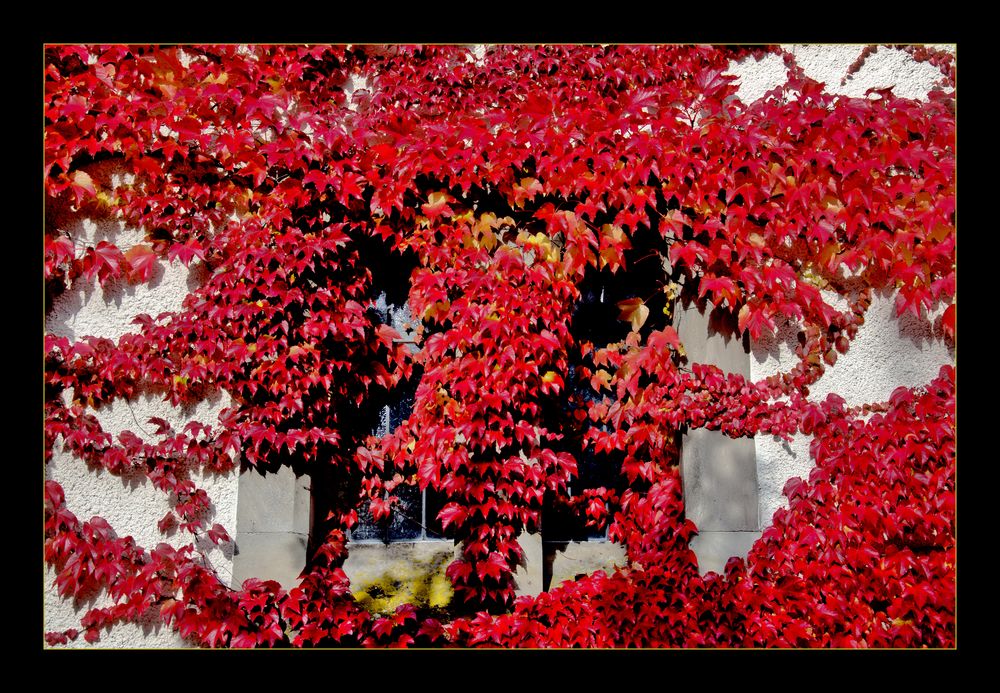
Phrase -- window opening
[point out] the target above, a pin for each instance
(415, 517)
(595, 320)
(569, 546)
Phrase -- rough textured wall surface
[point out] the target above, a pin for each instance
(888, 352)
(131, 505)
(830, 64)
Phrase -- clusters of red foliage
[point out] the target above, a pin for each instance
(510, 179)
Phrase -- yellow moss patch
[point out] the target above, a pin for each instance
(421, 583)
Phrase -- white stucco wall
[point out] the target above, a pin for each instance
(887, 352)
(131, 505)
(887, 67)
(91, 310)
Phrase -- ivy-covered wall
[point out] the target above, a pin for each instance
(164, 275)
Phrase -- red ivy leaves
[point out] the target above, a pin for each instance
(511, 180)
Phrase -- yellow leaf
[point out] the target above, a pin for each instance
(83, 179)
(441, 396)
(634, 311)
(488, 240)
(437, 198)
(811, 276)
(436, 310)
(486, 222)
(616, 234)
(539, 239)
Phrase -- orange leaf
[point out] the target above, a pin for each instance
(437, 205)
(601, 379)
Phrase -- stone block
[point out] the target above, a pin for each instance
(529, 576)
(567, 560)
(709, 336)
(720, 481)
(714, 549)
(277, 556)
(719, 473)
(277, 502)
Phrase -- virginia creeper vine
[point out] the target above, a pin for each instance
(507, 183)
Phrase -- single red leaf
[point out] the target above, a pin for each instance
(142, 261)
(452, 513)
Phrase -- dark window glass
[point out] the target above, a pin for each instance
(415, 516)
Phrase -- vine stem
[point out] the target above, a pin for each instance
(138, 425)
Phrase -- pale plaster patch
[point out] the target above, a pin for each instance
(777, 462)
(825, 63)
(887, 352)
(354, 83)
(946, 47)
(887, 67)
(757, 77)
(149, 632)
(476, 54)
(892, 67)
(130, 504)
(85, 309)
(133, 506)
(829, 64)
